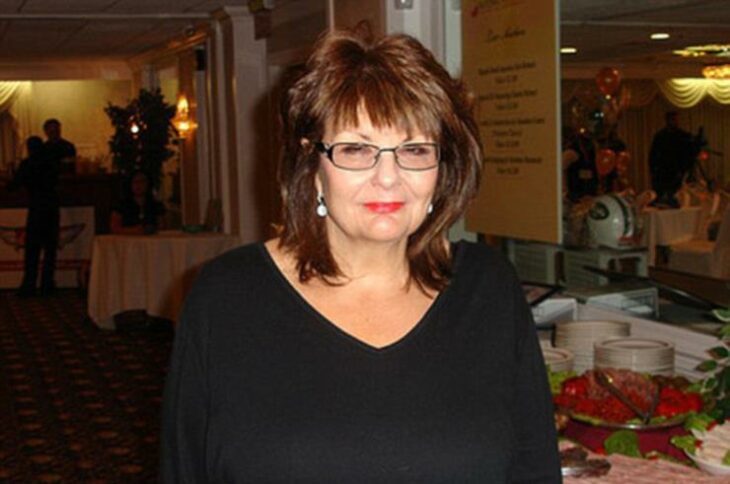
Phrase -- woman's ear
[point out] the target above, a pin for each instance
(304, 143)
(318, 182)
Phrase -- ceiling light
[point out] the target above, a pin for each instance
(659, 36)
(721, 71)
(568, 50)
(717, 50)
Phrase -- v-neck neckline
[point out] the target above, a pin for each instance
(348, 337)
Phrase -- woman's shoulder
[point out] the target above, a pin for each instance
(243, 262)
(479, 268)
(476, 257)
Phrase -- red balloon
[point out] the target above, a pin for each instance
(605, 161)
(608, 80)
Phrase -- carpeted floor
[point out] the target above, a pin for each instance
(77, 404)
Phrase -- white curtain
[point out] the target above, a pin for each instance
(15, 114)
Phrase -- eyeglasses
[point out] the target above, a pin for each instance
(363, 156)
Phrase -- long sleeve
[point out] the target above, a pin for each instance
(536, 453)
(185, 406)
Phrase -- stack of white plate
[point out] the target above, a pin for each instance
(644, 355)
(558, 359)
(579, 337)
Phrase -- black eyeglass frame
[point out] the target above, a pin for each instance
(328, 150)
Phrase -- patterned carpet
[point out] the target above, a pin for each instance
(77, 404)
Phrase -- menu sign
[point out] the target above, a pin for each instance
(510, 61)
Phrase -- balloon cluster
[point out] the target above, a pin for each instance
(594, 113)
(596, 110)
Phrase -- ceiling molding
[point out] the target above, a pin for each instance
(170, 49)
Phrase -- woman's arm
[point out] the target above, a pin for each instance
(535, 457)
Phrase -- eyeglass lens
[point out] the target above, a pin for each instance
(411, 156)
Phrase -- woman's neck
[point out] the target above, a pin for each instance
(372, 263)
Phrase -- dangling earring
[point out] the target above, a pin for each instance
(429, 209)
(321, 207)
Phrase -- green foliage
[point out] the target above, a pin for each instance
(147, 149)
(716, 387)
(624, 442)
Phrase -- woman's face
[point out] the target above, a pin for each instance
(139, 185)
(383, 204)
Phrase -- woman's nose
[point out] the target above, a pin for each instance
(387, 171)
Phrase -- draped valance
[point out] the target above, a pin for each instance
(682, 93)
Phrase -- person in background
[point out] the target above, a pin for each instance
(138, 212)
(59, 150)
(579, 165)
(360, 345)
(38, 174)
(671, 155)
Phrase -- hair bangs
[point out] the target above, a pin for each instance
(387, 104)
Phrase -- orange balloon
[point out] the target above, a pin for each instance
(605, 161)
(608, 80)
(622, 162)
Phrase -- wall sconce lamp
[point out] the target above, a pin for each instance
(182, 121)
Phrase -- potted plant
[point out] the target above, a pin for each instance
(142, 134)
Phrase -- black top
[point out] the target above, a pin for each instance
(38, 174)
(62, 152)
(582, 174)
(672, 152)
(133, 214)
(263, 388)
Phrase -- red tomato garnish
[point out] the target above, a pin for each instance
(575, 387)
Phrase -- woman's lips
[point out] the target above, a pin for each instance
(384, 207)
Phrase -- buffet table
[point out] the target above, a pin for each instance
(690, 348)
(149, 272)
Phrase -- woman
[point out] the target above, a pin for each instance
(139, 212)
(359, 346)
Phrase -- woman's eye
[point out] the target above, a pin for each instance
(416, 150)
(353, 149)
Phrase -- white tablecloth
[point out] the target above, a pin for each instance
(152, 272)
(668, 226)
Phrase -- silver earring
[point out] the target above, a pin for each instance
(321, 207)
(429, 210)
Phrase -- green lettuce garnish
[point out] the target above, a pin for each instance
(685, 442)
(624, 442)
(556, 379)
(698, 421)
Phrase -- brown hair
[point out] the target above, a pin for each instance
(397, 82)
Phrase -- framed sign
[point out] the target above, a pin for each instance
(511, 62)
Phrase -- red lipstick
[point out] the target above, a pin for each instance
(384, 207)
